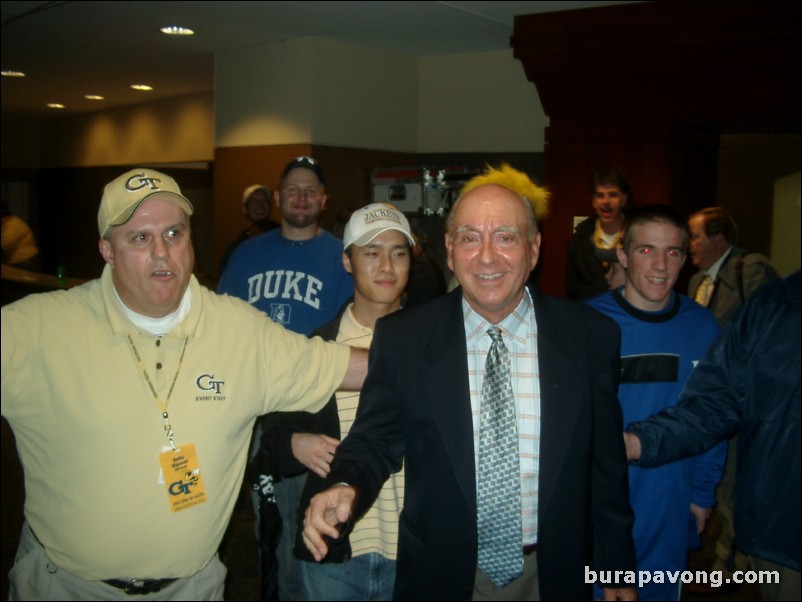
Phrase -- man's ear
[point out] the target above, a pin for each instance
(106, 251)
(622, 257)
(347, 263)
(720, 241)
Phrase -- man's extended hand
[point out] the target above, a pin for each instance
(314, 451)
(632, 443)
(700, 515)
(326, 510)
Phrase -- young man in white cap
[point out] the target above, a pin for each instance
(377, 253)
(133, 398)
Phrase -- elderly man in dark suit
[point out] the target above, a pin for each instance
(727, 277)
(728, 274)
(563, 512)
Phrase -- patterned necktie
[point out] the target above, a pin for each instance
(704, 292)
(499, 479)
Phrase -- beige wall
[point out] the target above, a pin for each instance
(263, 94)
(758, 183)
(165, 131)
(316, 91)
(365, 98)
(478, 102)
(786, 243)
(305, 91)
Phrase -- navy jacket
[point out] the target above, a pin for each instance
(415, 407)
(749, 383)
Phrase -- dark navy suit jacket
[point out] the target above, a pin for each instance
(415, 407)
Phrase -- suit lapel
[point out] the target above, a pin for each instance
(449, 396)
(446, 378)
(559, 412)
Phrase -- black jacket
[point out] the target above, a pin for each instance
(585, 270)
(277, 439)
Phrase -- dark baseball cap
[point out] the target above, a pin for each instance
(307, 163)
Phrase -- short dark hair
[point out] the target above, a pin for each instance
(656, 213)
(718, 221)
(610, 177)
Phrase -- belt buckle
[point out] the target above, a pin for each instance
(135, 587)
(141, 587)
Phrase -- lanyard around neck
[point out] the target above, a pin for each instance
(162, 404)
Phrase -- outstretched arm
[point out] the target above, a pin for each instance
(357, 369)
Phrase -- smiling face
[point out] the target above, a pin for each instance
(652, 260)
(151, 257)
(489, 250)
(301, 198)
(258, 206)
(609, 202)
(380, 269)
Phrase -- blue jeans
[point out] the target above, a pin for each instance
(366, 577)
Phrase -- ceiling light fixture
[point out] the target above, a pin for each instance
(12, 73)
(177, 30)
(141, 87)
(55, 105)
(94, 97)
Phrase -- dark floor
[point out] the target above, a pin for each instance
(239, 546)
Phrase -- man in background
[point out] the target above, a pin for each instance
(378, 242)
(19, 243)
(727, 277)
(295, 275)
(663, 335)
(256, 203)
(593, 244)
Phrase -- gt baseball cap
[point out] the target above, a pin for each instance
(307, 163)
(246, 195)
(123, 196)
(370, 221)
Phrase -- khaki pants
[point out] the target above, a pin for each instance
(35, 577)
(525, 587)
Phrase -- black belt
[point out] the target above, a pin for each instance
(532, 547)
(137, 587)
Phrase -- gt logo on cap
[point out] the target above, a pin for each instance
(143, 181)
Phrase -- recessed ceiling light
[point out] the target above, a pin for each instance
(12, 73)
(94, 97)
(177, 30)
(141, 87)
(55, 105)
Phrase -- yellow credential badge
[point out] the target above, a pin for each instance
(182, 477)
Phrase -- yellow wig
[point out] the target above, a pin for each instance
(516, 181)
